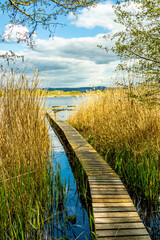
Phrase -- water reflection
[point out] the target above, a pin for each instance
(76, 222)
(149, 213)
(61, 101)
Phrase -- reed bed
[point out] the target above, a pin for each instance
(29, 190)
(126, 133)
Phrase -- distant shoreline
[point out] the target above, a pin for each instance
(70, 95)
(67, 95)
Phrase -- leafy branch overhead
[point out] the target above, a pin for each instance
(139, 38)
(34, 13)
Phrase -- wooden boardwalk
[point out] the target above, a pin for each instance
(57, 109)
(114, 213)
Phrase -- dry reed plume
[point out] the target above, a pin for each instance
(24, 152)
(121, 128)
(24, 138)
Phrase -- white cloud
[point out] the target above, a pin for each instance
(16, 33)
(72, 62)
(75, 62)
(102, 15)
(84, 48)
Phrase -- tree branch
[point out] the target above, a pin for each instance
(23, 12)
(145, 58)
(25, 4)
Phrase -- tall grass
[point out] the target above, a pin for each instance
(127, 134)
(27, 191)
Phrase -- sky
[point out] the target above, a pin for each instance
(71, 58)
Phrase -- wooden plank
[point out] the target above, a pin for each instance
(109, 192)
(146, 237)
(121, 204)
(97, 164)
(104, 171)
(102, 174)
(111, 198)
(114, 209)
(102, 177)
(121, 232)
(138, 225)
(117, 204)
(116, 180)
(94, 172)
(106, 186)
(115, 215)
(117, 220)
(98, 167)
(103, 182)
(99, 171)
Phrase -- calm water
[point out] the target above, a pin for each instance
(150, 215)
(62, 101)
(80, 228)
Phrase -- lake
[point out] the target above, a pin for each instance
(62, 101)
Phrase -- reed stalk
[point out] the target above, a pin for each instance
(28, 188)
(126, 132)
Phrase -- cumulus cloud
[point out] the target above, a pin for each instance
(72, 62)
(84, 48)
(102, 15)
(16, 33)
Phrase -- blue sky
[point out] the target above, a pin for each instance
(71, 58)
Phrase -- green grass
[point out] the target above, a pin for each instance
(30, 189)
(30, 204)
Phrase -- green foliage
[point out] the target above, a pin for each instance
(32, 197)
(139, 39)
(139, 173)
(34, 13)
(31, 202)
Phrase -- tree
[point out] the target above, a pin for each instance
(139, 41)
(34, 13)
